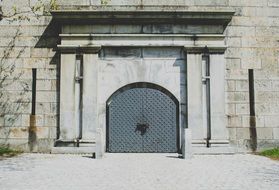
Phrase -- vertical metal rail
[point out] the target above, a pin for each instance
(253, 130)
(34, 86)
(206, 82)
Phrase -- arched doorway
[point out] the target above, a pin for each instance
(142, 117)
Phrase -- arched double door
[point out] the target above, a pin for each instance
(142, 117)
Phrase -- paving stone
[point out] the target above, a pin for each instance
(138, 171)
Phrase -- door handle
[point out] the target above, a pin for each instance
(142, 128)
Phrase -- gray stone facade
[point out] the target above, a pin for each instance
(29, 37)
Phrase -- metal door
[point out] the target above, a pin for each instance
(142, 120)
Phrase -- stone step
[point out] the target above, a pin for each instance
(74, 150)
(214, 149)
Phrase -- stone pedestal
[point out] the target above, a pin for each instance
(187, 144)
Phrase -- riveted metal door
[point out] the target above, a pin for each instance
(142, 120)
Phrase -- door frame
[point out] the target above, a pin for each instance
(151, 86)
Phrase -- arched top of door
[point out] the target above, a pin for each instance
(143, 85)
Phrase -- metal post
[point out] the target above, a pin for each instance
(79, 80)
(253, 130)
(206, 82)
(32, 137)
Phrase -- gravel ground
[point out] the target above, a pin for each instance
(139, 172)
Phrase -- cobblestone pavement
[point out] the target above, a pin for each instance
(138, 172)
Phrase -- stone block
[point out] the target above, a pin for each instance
(43, 108)
(241, 31)
(122, 52)
(249, 20)
(242, 109)
(263, 108)
(39, 121)
(42, 132)
(246, 11)
(236, 74)
(263, 85)
(232, 133)
(242, 85)
(237, 96)
(272, 121)
(44, 85)
(233, 42)
(126, 29)
(273, 21)
(24, 97)
(187, 151)
(233, 63)
(276, 133)
(211, 2)
(273, 3)
(73, 2)
(52, 132)
(177, 53)
(233, 53)
(47, 74)
(12, 120)
(50, 120)
(2, 121)
(275, 85)
(9, 31)
(53, 108)
(25, 120)
(14, 132)
(242, 133)
(268, 11)
(234, 121)
(230, 86)
(230, 109)
(260, 121)
(254, 3)
(54, 85)
(16, 52)
(41, 53)
(156, 2)
(265, 96)
(29, 63)
(46, 96)
(258, 42)
(251, 63)
(265, 133)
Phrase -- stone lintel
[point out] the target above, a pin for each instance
(79, 48)
(200, 49)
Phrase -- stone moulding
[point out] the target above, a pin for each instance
(94, 42)
(143, 16)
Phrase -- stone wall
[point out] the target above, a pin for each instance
(27, 39)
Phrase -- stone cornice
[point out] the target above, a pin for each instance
(143, 16)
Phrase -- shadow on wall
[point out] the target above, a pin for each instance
(49, 40)
(1, 13)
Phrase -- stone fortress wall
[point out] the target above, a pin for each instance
(27, 39)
